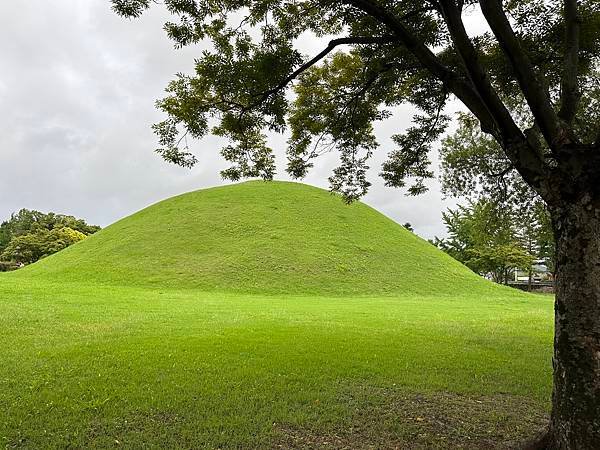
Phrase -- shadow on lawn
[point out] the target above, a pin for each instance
(384, 419)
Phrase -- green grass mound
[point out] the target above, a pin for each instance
(107, 344)
(258, 237)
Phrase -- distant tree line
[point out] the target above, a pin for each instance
(31, 235)
(494, 242)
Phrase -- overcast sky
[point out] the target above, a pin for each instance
(77, 92)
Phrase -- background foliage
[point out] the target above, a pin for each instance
(31, 235)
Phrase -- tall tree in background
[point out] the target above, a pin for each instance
(486, 239)
(474, 167)
(532, 83)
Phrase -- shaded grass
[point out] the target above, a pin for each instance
(390, 419)
(90, 366)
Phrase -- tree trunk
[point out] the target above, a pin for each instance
(529, 279)
(575, 420)
(530, 250)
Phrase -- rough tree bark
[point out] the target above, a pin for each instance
(575, 420)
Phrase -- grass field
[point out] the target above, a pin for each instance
(240, 355)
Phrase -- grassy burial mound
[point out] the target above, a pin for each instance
(266, 315)
(265, 238)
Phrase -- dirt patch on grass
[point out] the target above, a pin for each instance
(384, 419)
(139, 426)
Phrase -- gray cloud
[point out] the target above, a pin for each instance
(77, 92)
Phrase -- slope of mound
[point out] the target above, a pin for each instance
(259, 237)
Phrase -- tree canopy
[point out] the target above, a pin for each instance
(495, 241)
(376, 55)
(475, 168)
(31, 235)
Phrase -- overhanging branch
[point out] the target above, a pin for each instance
(357, 40)
(454, 83)
(569, 85)
(360, 40)
(477, 74)
(526, 158)
(531, 85)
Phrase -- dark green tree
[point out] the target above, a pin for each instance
(531, 82)
(475, 167)
(30, 235)
(31, 247)
(486, 239)
(19, 223)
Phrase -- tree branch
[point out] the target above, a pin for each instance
(531, 85)
(570, 94)
(527, 158)
(476, 72)
(332, 45)
(361, 40)
(454, 83)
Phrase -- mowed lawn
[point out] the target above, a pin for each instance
(98, 366)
